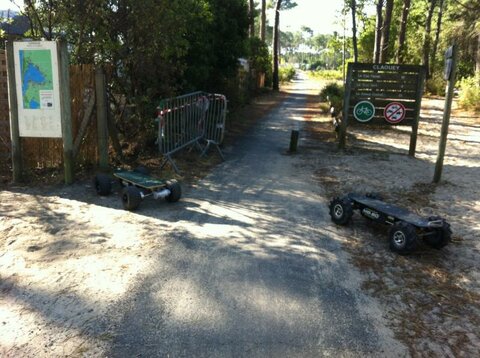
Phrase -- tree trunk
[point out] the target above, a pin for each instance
(276, 85)
(437, 35)
(263, 23)
(378, 31)
(251, 18)
(477, 59)
(403, 31)
(426, 40)
(385, 41)
(353, 7)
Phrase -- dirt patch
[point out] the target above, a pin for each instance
(431, 298)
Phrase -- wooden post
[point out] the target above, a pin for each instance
(66, 110)
(346, 102)
(102, 120)
(294, 141)
(446, 114)
(17, 164)
(418, 100)
(113, 134)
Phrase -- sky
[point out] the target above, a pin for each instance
(322, 16)
(7, 4)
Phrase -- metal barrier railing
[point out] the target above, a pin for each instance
(187, 120)
(215, 122)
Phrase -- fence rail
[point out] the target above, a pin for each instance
(190, 120)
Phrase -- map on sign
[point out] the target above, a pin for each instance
(36, 73)
(37, 84)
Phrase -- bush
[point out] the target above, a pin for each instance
(286, 74)
(436, 85)
(328, 75)
(333, 94)
(260, 59)
(470, 93)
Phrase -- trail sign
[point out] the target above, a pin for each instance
(448, 63)
(382, 84)
(394, 112)
(393, 91)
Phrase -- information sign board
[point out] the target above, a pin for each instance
(394, 92)
(38, 94)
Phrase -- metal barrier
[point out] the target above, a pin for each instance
(187, 120)
(216, 115)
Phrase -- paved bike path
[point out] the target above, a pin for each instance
(249, 270)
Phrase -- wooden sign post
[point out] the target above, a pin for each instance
(17, 164)
(451, 76)
(65, 102)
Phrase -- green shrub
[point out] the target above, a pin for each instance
(470, 93)
(333, 94)
(286, 74)
(260, 59)
(328, 75)
(436, 85)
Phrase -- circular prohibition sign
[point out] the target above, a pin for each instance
(394, 112)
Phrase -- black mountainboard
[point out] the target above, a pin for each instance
(406, 226)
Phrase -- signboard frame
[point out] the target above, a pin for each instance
(60, 63)
(382, 85)
(43, 119)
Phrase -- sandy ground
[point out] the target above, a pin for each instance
(431, 298)
(69, 268)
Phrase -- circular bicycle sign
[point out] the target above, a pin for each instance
(394, 112)
(364, 111)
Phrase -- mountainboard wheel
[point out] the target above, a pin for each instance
(103, 184)
(131, 197)
(403, 238)
(175, 191)
(341, 210)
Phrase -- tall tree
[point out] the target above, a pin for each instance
(427, 39)
(385, 41)
(353, 8)
(279, 5)
(477, 58)
(263, 22)
(276, 82)
(437, 35)
(378, 31)
(403, 31)
(251, 18)
(465, 31)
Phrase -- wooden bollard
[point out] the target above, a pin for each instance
(294, 141)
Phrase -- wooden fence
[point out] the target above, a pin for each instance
(41, 153)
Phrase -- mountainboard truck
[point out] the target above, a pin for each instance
(406, 227)
(137, 185)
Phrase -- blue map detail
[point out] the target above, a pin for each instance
(31, 74)
(33, 80)
(34, 104)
